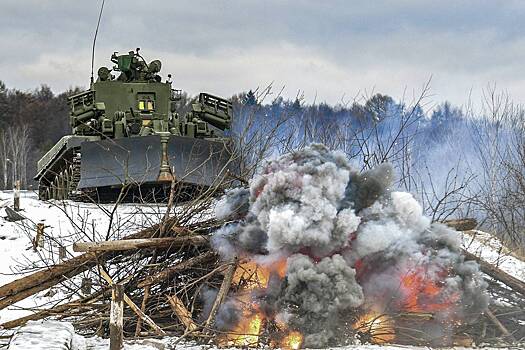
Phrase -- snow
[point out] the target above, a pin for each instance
(65, 220)
(490, 249)
(52, 335)
(55, 335)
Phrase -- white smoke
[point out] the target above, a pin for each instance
(234, 201)
(296, 200)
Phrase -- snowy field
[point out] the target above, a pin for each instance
(63, 221)
(66, 219)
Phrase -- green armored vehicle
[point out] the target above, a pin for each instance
(126, 134)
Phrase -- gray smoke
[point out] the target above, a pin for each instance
(321, 291)
(366, 188)
(228, 315)
(235, 202)
(223, 240)
(296, 201)
(348, 239)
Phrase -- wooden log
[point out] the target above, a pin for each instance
(26, 286)
(223, 292)
(166, 273)
(33, 289)
(500, 326)
(133, 306)
(53, 311)
(116, 318)
(498, 274)
(466, 224)
(182, 313)
(133, 244)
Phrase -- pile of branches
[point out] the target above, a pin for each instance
(164, 269)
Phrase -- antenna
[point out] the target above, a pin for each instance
(95, 40)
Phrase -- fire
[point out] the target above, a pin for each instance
(292, 341)
(247, 332)
(423, 294)
(380, 328)
(250, 275)
(254, 275)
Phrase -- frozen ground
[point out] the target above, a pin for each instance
(66, 219)
(63, 221)
(490, 249)
(54, 335)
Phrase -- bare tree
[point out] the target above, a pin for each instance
(501, 152)
(258, 136)
(14, 151)
(4, 158)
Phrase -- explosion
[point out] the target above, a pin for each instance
(328, 253)
(379, 328)
(246, 333)
(292, 341)
(422, 294)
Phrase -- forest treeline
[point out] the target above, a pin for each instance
(456, 162)
(31, 122)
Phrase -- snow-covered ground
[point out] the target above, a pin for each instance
(51, 335)
(489, 248)
(65, 220)
(60, 336)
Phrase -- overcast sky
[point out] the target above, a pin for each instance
(329, 49)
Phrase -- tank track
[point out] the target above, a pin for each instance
(63, 185)
(72, 191)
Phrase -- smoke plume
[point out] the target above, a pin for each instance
(349, 244)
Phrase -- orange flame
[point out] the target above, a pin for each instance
(246, 333)
(422, 294)
(251, 275)
(292, 341)
(379, 327)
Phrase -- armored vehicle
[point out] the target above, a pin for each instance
(126, 133)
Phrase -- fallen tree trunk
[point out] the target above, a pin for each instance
(77, 304)
(38, 281)
(133, 244)
(498, 274)
(462, 224)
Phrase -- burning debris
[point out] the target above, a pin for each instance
(351, 252)
(312, 254)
